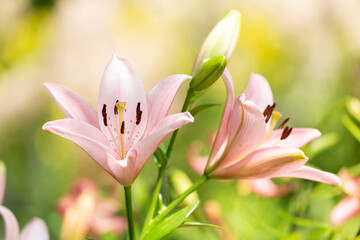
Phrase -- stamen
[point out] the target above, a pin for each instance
(116, 112)
(120, 106)
(122, 130)
(286, 132)
(283, 123)
(138, 114)
(103, 111)
(268, 112)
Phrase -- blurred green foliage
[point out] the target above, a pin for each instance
(312, 67)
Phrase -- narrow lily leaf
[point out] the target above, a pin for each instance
(351, 126)
(201, 108)
(201, 224)
(169, 224)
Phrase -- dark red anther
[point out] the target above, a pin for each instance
(286, 132)
(268, 112)
(283, 123)
(122, 129)
(116, 111)
(104, 115)
(138, 114)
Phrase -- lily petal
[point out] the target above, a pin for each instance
(72, 104)
(298, 138)
(147, 146)
(160, 98)
(245, 132)
(351, 185)
(11, 224)
(121, 83)
(263, 163)
(313, 174)
(221, 137)
(346, 209)
(86, 136)
(2, 181)
(258, 91)
(35, 230)
(123, 169)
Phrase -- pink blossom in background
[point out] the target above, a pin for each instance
(86, 213)
(128, 126)
(349, 207)
(248, 146)
(36, 229)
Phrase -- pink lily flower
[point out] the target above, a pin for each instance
(128, 127)
(86, 213)
(247, 146)
(35, 230)
(349, 207)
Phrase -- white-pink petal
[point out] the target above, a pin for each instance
(245, 132)
(147, 146)
(221, 136)
(86, 136)
(72, 104)
(11, 224)
(346, 209)
(121, 83)
(123, 170)
(160, 98)
(258, 91)
(35, 230)
(297, 138)
(262, 163)
(313, 174)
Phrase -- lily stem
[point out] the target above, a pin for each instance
(154, 201)
(129, 213)
(187, 104)
(203, 179)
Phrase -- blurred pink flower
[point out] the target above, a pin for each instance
(85, 212)
(248, 147)
(267, 188)
(349, 207)
(34, 230)
(128, 127)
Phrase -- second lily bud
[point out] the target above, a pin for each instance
(208, 73)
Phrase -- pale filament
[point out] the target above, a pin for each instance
(121, 109)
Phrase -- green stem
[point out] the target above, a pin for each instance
(203, 179)
(129, 213)
(186, 107)
(153, 202)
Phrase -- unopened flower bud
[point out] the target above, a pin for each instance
(208, 73)
(222, 39)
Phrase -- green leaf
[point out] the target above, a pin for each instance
(160, 156)
(89, 238)
(200, 108)
(169, 224)
(351, 126)
(201, 224)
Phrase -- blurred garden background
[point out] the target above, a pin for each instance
(309, 51)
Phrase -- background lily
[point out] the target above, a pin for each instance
(247, 146)
(349, 207)
(128, 126)
(86, 213)
(35, 230)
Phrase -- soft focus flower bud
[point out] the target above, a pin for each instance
(182, 182)
(208, 73)
(222, 39)
(353, 106)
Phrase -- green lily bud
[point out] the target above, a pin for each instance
(208, 73)
(222, 39)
